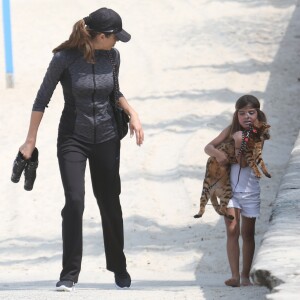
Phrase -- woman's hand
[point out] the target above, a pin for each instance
(26, 149)
(135, 127)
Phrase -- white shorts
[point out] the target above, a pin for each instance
(247, 202)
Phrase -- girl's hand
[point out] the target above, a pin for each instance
(26, 149)
(221, 158)
(135, 127)
(238, 138)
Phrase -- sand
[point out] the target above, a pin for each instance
(183, 70)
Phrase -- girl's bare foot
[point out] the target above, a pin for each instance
(245, 281)
(233, 282)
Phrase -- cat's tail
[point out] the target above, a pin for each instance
(203, 201)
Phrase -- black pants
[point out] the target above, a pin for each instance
(104, 162)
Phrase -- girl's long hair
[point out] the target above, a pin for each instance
(81, 39)
(246, 100)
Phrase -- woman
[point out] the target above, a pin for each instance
(87, 131)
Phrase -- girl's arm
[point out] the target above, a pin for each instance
(211, 148)
(27, 148)
(134, 123)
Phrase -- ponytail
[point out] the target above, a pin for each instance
(81, 39)
(261, 115)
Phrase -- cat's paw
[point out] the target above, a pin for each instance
(230, 217)
(197, 216)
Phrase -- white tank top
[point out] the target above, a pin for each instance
(243, 179)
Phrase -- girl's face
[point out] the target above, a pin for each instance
(246, 116)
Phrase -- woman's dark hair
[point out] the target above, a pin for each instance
(81, 39)
(246, 100)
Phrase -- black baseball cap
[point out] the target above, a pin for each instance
(106, 20)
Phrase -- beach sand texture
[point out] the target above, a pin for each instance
(186, 65)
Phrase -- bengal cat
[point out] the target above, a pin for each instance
(216, 183)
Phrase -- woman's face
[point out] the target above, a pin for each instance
(246, 116)
(110, 41)
(103, 42)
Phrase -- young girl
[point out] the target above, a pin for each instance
(245, 203)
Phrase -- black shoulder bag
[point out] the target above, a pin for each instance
(121, 117)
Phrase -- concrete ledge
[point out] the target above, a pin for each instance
(277, 264)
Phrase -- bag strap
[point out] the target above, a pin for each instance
(115, 77)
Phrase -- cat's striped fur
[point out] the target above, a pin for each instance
(216, 183)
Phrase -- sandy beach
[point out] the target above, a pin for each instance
(185, 67)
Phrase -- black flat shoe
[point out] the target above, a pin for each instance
(65, 286)
(30, 170)
(122, 279)
(18, 167)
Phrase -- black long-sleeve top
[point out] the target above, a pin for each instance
(87, 113)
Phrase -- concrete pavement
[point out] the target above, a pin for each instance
(277, 264)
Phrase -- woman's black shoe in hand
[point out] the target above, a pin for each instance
(30, 170)
(18, 168)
